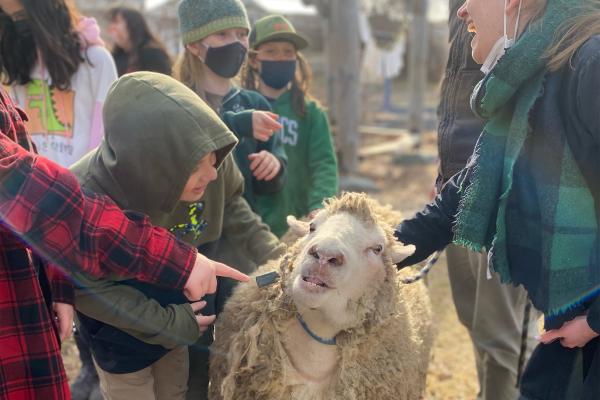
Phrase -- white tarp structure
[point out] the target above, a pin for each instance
(378, 63)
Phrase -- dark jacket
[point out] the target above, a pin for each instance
(458, 128)
(236, 111)
(569, 108)
(149, 58)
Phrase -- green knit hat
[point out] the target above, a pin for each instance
(200, 18)
(274, 28)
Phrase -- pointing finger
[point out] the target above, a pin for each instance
(228, 272)
(274, 125)
(271, 115)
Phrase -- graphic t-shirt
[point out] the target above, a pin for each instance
(66, 124)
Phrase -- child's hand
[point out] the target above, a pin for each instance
(203, 321)
(574, 333)
(264, 125)
(264, 165)
(63, 314)
(203, 277)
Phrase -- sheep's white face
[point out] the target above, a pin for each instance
(341, 260)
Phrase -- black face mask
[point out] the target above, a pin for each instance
(277, 74)
(226, 61)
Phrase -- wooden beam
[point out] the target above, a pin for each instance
(417, 71)
(382, 131)
(344, 53)
(404, 144)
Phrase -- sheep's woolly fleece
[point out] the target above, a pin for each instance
(384, 358)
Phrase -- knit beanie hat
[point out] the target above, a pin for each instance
(201, 18)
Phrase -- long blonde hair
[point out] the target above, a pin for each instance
(573, 34)
(190, 71)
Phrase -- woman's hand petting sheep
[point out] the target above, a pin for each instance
(574, 333)
(63, 315)
(203, 278)
(264, 165)
(203, 321)
(264, 125)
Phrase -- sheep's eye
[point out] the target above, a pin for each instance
(311, 228)
(377, 249)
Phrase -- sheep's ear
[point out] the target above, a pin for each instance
(298, 228)
(399, 252)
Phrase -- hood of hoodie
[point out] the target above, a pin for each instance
(156, 132)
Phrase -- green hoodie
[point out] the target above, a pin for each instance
(156, 131)
(312, 165)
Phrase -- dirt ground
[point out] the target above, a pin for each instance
(406, 187)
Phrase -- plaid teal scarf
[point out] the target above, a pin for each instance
(552, 222)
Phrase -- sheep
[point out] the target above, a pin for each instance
(340, 281)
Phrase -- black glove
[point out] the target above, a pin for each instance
(422, 250)
(429, 231)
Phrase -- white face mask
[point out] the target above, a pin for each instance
(502, 44)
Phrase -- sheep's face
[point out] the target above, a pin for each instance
(340, 263)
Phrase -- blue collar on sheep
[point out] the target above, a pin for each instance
(329, 342)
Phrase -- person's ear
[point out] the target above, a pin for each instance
(196, 48)
(298, 228)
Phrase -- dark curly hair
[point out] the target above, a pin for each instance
(53, 37)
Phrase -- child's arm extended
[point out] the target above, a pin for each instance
(131, 311)
(257, 124)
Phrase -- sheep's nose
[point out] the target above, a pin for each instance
(329, 257)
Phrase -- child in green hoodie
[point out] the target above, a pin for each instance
(277, 69)
(166, 154)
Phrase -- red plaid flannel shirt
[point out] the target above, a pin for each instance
(42, 209)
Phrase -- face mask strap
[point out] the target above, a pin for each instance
(508, 43)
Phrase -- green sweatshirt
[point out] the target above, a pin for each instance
(156, 131)
(236, 110)
(312, 165)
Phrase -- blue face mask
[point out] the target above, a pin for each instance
(277, 74)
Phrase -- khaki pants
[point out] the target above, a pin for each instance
(493, 315)
(166, 379)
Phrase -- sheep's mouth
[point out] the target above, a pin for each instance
(314, 281)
